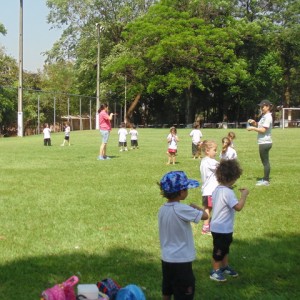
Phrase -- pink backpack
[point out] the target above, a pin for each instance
(63, 291)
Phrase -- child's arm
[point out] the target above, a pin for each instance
(204, 214)
(239, 206)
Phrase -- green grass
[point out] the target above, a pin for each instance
(62, 212)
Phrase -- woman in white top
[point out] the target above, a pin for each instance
(264, 139)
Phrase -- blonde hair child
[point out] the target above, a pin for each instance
(208, 168)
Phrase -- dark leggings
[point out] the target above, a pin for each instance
(264, 157)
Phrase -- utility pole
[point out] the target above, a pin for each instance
(125, 104)
(99, 27)
(20, 88)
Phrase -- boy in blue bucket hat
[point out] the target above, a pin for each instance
(176, 236)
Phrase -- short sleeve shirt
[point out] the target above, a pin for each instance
(266, 122)
(224, 200)
(175, 232)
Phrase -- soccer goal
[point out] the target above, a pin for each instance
(290, 117)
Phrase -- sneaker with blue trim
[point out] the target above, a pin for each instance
(229, 271)
(100, 158)
(217, 275)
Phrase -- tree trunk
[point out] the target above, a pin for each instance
(131, 108)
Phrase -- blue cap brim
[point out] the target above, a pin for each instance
(193, 184)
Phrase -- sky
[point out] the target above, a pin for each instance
(38, 36)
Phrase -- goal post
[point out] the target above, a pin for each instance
(288, 111)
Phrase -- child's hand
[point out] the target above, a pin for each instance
(244, 192)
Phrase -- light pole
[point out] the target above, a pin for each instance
(99, 28)
(125, 105)
(20, 88)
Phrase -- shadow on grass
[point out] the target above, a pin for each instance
(268, 269)
(26, 279)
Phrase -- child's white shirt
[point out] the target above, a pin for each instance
(134, 134)
(208, 168)
(229, 154)
(47, 132)
(196, 135)
(122, 135)
(172, 141)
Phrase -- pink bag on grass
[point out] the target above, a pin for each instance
(63, 291)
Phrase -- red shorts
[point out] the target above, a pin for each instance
(172, 151)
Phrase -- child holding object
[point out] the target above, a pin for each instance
(172, 140)
(225, 203)
(176, 236)
(208, 168)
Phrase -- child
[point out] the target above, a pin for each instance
(67, 130)
(208, 167)
(47, 135)
(196, 135)
(134, 137)
(172, 140)
(176, 236)
(227, 151)
(225, 204)
(122, 137)
(231, 136)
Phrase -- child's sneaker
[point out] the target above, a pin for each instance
(229, 271)
(262, 182)
(217, 275)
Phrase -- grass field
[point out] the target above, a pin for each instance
(62, 212)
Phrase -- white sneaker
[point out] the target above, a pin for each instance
(121, 150)
(263, 182)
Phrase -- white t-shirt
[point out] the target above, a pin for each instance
(175, 232)
(67, 131)
(47, 133)
(172, 141)
(224, 199)
(134, 134)
(266, 121)
(196, 135)
(208, 168)
(229, 154)
(122, 132)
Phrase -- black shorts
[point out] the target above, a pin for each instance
(134, 143)
(122, 144)
(67, 137)
(178, 280)
(221, 242)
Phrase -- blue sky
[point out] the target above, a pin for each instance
(37, 35)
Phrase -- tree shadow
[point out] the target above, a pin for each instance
(268, 269)
(27, 278)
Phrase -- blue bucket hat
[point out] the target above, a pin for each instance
(176, 181)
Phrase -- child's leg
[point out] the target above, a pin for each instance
(169, 158)
(174, 158)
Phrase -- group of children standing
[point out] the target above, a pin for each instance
(219, 204)
(122, 133)
(47, 134)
